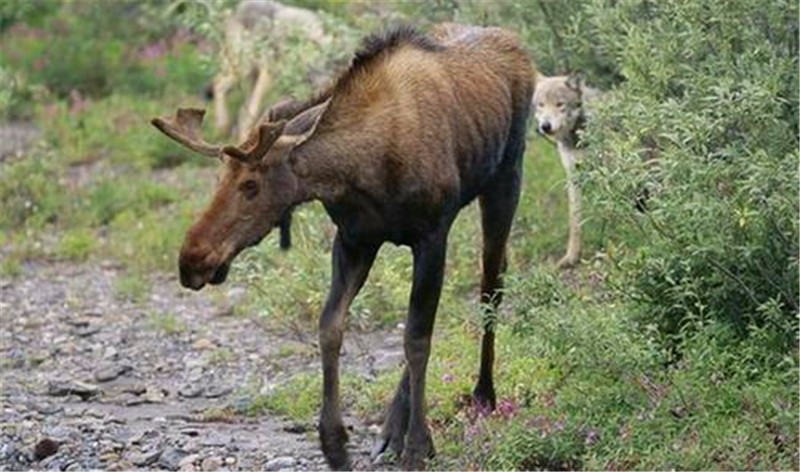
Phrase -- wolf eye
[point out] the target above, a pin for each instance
(249, 188)
(560, 104)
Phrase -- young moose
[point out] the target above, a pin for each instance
(415, 129)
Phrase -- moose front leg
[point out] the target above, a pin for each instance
(405, 429)
(351, 264)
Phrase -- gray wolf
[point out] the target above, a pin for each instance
(560, 108)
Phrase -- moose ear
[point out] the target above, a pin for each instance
(575, 81)
(303, 126)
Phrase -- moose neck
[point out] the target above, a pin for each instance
(322, 165)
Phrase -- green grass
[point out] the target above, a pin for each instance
(77, 244)
(131, 286)
(166, 323)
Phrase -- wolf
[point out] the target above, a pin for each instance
(560, 107)
(253, 37)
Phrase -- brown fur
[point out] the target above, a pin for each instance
(417, 128)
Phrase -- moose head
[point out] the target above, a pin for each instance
(257, 187)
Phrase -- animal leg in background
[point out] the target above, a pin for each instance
(568, 159)
(222, 85)
(250, 111)
(351, 265)
(285, 227)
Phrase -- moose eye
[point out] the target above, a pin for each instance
(249, 188)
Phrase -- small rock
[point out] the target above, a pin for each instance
(44, 448)
(204, 344)
(120, 466)
(188, 460)
(134, 389)
(211, 463)
(60, 388)
(282, 462)
(111, 372)
(144, 459)
(230, 460)
(296, 428)
(216, 391)
(77, 322)
(171, 458)
(154, 395)
(387, 360)
(191, 432)
(109, 457)
(45, 408)
(214, 440)
(191, 391)
(86, 331)
(110, 353)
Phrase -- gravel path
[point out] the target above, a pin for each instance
(91, 381)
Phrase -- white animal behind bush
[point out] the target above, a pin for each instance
(559, 105)
(254, 36)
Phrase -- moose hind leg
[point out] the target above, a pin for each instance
(351, 265)
(498, 205)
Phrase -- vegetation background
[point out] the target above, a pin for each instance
(672, 346)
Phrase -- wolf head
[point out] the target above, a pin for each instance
(558, 105)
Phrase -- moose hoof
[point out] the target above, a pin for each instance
(333, 446)
(484, 399)
(414, 455)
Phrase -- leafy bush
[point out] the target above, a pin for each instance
(714, 98)
(72, 49)
(31, 191)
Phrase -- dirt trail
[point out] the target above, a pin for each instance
(118, 385)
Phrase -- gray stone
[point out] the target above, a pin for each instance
(281, 462)
(61, 388)
(171, 458)
(191, 391)
(211, 463)
(144, 459)
(110, 372)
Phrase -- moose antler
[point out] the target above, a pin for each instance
(258, 143)
(184, 128)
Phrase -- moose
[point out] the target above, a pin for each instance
(415, 129)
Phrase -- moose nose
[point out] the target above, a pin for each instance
(195, 264)
(546, 127)
(190, 278)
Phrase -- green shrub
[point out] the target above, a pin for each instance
(71, 48)
(77, 244)
(31, 191)
(116, 128)
(710, 94)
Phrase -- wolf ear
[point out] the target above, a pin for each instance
(575, 81)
